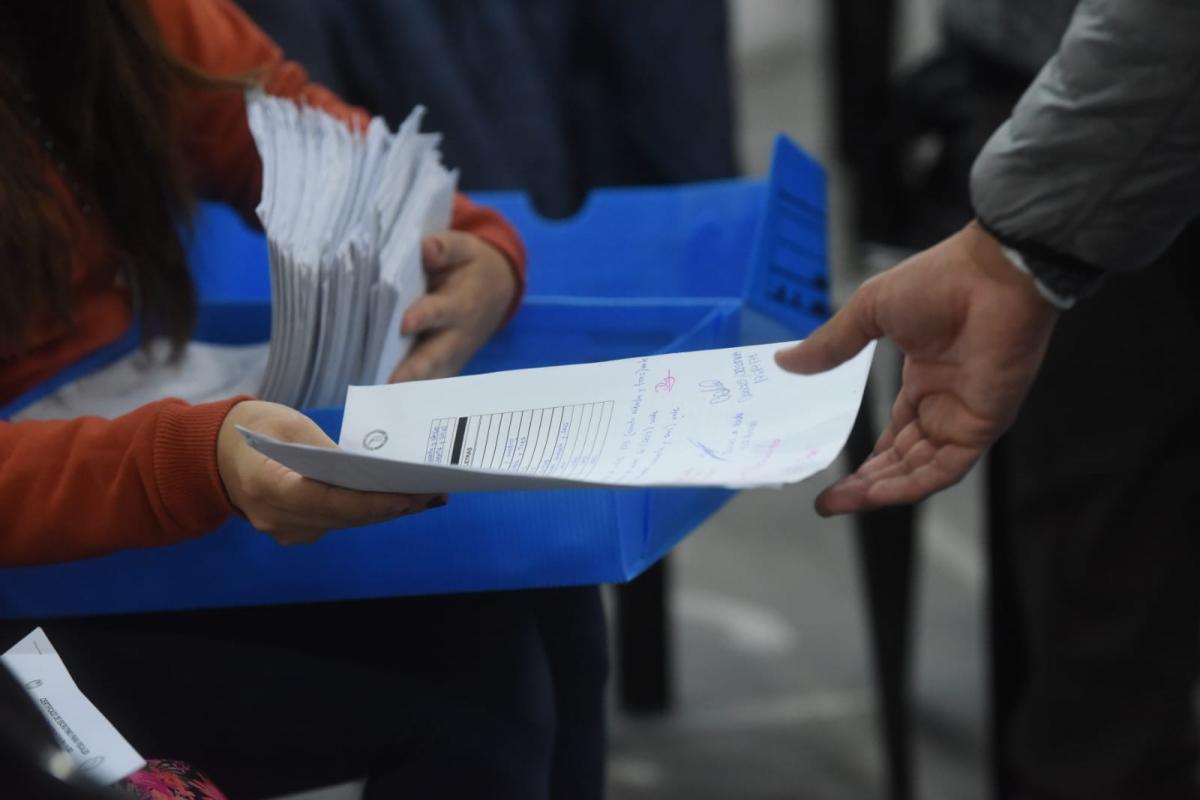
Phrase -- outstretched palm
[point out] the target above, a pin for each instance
(973, 330)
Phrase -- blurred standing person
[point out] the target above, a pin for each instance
(550, 97)
(1096, 172)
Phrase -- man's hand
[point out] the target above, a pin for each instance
(284, 504)
(973, 330)
(471, 286)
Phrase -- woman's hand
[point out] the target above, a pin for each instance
(973, 330)
(471, 286)
(284, 504)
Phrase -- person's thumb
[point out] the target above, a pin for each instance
(839, 339)
(445, 250)
(279, 421)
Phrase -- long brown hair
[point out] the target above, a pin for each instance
(91, 81)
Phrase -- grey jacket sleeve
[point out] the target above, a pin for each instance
(1098, 168)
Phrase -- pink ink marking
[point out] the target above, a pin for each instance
(666, 384)
(769, 450)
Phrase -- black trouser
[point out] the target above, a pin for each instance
(492, 695)
(1101, 529)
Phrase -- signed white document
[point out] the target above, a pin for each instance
(83, 733)
(727, 417)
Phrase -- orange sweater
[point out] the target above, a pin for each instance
(89, 486)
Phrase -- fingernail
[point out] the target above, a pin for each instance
(437, 502)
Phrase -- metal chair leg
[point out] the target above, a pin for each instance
(643, 642)
(1006, 657)
(886, 542)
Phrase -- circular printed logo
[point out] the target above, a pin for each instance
(91, 763)
(375, 439)
(33, 684)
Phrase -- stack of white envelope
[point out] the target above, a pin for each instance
(344, 213)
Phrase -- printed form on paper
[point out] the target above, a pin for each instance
(727, 417)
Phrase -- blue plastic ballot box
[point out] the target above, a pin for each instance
(635, 272)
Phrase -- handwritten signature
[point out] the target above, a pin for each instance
(717, 393)
(666, 384)
(708, 451)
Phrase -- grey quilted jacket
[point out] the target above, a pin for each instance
(1098, 169)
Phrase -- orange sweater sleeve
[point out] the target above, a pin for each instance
(79, 488)
(89, 486)
(219, 38)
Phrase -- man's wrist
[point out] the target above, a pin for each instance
(989, 256)
(1017, 259)
(1062, 279)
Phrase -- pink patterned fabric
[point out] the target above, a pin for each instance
(163, 779)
